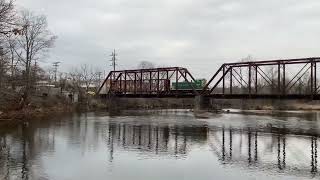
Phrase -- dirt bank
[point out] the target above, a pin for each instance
(14, 117)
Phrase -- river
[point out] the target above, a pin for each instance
(168, 144)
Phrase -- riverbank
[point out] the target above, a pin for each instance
(214, 104)
(44, 108)
(307, 106)
(32, 112)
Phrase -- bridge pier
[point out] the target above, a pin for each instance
(202, 103)
(114, 105)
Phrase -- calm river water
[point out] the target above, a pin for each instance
(169, 144)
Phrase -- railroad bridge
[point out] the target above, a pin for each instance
(268, 79)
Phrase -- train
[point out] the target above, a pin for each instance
(198, 84)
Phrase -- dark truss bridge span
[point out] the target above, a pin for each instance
(149, 83)
(271, 79)
(268, 79)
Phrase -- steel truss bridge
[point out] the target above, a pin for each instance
(269, 79)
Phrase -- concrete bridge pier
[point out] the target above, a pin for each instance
(114, 105)
(202, 103)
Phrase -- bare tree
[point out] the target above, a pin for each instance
(246, 73)
(6, 28)
(11, 46)
(35, 41)
(75, 80)
(7, 16)
(88, 76)
(272, 73)
(84, 79)
(3, 67)
(146, 65)
(84, 76)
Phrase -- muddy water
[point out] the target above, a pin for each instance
(171, 144)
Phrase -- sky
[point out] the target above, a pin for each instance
(197, 34)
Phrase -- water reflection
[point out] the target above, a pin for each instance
(270, 147)
(156, 139)
(20, 148)
(261, 146)
(245, 147)
(314, 155)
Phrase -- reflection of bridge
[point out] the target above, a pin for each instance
(158, 139)
(261, 150)
(272, 79)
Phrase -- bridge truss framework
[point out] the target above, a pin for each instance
(285, 78)
(270, 79)
(153, 82)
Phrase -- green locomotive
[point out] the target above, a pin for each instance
(198, 84)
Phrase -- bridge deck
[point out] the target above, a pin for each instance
(223, 96)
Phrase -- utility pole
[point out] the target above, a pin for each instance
(99, 77)
(113, 61)
(55, 70)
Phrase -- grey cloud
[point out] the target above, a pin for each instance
(198, 34)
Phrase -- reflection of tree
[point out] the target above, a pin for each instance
(110, 143)
(283, 164)
(5, 158)
(256, 146)
(21, 147)
(25, 164)
(249, 146)
(314, 155)
(230, 142)
(223, 145)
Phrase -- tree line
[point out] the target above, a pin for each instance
(24, 40)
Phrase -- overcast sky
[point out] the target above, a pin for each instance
(197, 34)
